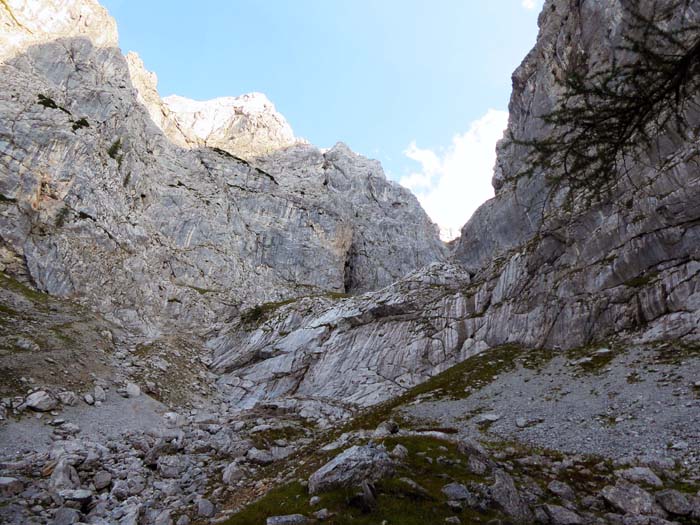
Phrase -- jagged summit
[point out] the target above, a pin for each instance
(247, 125)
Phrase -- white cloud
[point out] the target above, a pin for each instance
(532, 4)
(452, 184)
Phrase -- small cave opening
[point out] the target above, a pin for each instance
(349, 280)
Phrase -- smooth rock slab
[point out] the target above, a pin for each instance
(291, 519)
(352, 467)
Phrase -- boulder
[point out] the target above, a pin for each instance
(352, 467)
(65, 516)
(41, 401)
(674, 502)
(205, 508)
(561, 490)
(642, 475)
(132, 390)
(627, 498)
(102, 479)
(507, 498)
(232, 473)
(10, 487)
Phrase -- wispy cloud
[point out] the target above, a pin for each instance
(532, 4)
(453, 183)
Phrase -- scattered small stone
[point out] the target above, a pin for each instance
(89, 399)
(628, 498)
(483, 419)
(452, 520)
(259, 457)
(456, 491)
(68, 398)
(315, 500)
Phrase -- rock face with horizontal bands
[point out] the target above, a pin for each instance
(543, 264)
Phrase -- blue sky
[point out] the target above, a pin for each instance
(396, 80)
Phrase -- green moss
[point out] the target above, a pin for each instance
(262, 311)
(431, 462)
(114, 151)
(80, 123)
(61, 217)
(589, 360)
(266, 438)
(8, 283)
(641, 280)
(676, 352)
(49, 103)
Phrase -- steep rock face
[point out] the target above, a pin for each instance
(97, 204)
(541, 264)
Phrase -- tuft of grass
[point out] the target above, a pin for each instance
(80, 123)
(61, 217)
(262, 311)
(49, 103)
(114, 151)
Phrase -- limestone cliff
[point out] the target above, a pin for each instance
(546, 263)
(98, 204)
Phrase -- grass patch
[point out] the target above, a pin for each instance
(590, 359)
(114, 152)
(266, 438)
(262, 311)
(49, 103)
(642, 280)
(12, 285)
(431, 462)
(80, 123)
(675, 353)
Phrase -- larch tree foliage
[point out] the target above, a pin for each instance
(617, 113)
